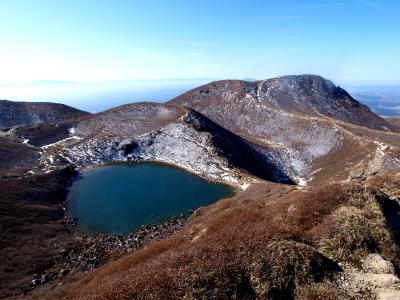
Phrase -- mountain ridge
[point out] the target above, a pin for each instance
(298, 123)
(309, 95)
(13, 113)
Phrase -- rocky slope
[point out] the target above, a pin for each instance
(306, 95)
(30, 113)
(166, 133)
(289, 129)
(302, 122)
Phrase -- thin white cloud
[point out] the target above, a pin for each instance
(193, 54)
(200, 44)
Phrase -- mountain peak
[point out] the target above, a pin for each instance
(303, 95)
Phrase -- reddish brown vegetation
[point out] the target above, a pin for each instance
(16, 158)
(261, 243)
(31, 227)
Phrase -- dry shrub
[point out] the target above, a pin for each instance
(229, 284)
(386, 183)
(359, 228)
(287, 265)
(330, 291)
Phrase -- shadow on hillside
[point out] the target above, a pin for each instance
(391, 211)
(239, 153)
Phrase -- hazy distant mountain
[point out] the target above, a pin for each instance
(383, 100)
(99, 96)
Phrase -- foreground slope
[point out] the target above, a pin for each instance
(32, 226)
(269, 242)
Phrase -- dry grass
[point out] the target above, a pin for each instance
(330, 291)
(386, 183)
(259, 244)
(284, 266)
(357, 229)
(30, 225)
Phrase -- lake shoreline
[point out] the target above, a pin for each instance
(127, 196)
(235, 186)
(80, 251)
(92, 250)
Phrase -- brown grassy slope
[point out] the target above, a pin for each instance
(31, 227)
(16, 158)
(262, 243)
(42, 134)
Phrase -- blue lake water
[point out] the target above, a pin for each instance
(117, 199)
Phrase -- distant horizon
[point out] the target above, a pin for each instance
(351, 42)
(208, 79)
(99, 96)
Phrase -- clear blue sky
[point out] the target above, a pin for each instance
(349, 41)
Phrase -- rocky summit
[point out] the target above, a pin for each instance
(316, 214)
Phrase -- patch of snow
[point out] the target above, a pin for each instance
(300, 181)
(228, 177)
(25, 141)
(244, 186)
(316, 171)
(176, 144)
(381, 147)
(61, 141)
(72, 130)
